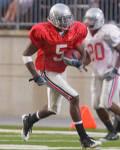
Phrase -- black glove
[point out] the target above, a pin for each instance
(38, 79)
(110, 75)
(74, 62)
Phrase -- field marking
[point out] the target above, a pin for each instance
(95, 134)
(40, 141)
(38, 147)
(29, 147)
(32, 147)
(23, 147)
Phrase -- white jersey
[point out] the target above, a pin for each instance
(101, 48)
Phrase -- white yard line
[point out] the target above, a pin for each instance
(32, 147)
(29, 147)
(40, 141)
(94, 134)
(38, 147)
(23, 147)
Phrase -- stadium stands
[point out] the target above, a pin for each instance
(29, 14)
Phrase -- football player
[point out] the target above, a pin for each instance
(50, 40)
(103, 50)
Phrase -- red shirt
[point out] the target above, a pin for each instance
(52, 45)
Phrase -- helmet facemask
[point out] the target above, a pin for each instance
(90, 22)
(64, 22)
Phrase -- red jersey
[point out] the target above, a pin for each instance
(52, 45)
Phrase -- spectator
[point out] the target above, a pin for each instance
(13, 9)
(93, 3)
(36, 13)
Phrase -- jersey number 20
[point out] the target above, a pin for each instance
(96, 51)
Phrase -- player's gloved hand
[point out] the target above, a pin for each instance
(38, 79)
(74, 62)
(110, 75)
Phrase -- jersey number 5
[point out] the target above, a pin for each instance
(59, 53)
(96, 51)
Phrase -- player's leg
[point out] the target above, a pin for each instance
(96, 94)
(28, 120)
(114, 96)
(115, 108)
(98, 103)
(108, 95)
(86, 141)
(104, 117)
(115, 117)
(60, 85)
(53, 108)
(116, 122)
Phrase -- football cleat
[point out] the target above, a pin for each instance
(110, 136)
(27, 127)
(89, 142)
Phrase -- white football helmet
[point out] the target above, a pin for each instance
(94, 18)
(61, 17)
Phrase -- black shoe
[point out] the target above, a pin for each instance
(110, 136)
(27, 127)
(90, 142)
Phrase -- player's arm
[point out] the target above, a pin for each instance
(85, 56)
(79, 63)
(117, 48)
(82, 49)
(27, 59)
(87, 59)
(110, 75)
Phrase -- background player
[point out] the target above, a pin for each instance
(103, 46)
(50, 40)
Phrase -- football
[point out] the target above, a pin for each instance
(69, 54)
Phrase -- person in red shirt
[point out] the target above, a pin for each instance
(50, 40)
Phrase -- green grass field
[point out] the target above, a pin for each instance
(10, 138)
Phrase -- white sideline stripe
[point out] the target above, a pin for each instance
(40, 141)
(22, 147)
(95, 134)
(29, 147)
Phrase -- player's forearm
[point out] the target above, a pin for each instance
(117, 65)
(27, 58)
(30, 66)
(86, 59)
